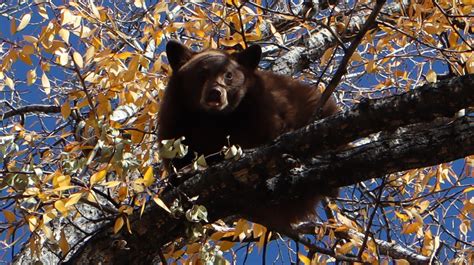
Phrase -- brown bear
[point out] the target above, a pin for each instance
(213, 95)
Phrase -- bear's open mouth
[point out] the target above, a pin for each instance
(214, 97)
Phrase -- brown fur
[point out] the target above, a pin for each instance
(204, 103)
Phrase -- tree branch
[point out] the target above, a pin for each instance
(28, 109)
(268, 175)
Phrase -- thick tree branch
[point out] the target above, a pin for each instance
(298, 57)
(269, 174)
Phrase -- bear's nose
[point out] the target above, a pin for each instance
(214, 95)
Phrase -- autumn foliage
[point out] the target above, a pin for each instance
(81, 84)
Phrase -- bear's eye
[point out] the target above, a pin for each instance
(228, 76)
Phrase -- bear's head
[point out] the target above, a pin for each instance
(212, 80)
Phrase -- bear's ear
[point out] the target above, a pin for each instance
(249, 57)
(177, 54)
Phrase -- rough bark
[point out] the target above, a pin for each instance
(295, 161)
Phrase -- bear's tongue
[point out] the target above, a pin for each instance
(213, 97)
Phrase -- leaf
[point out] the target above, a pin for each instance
(148, 177)
(9, 82)
(66, 110)
(402, 262)
(161, 203)
(94, 9)
(346, 248)
(32, 222)
(411, 228)
(402, 216)
(466, 190)
(118, 224)
(63, 244)
(78, 59)
(30, 39)
(31, 77)
(470, 65)
(64, 34)
(67, 17)
(90, 54)
(9, 216)
(225, 245)
(431, 76)
(73, 199)
(111, 184)
(45, 83)
(60, 180)
(59, 205)
(24, 22)
(42, 11)
(98, 176)
(304, 259)
(63, 58)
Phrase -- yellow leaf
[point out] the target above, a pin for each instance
(304, 259)
(411, 228)
(139, 3)
(59, 205)
(161, 203)
(31, 77)
(466, 190)
(225, 245)
(63, 188)
(258, 230)
(98, 176)
(470, 65)
(32, 222)
(94, 9)
(90, 54)
(63, 243)
(430, 28)
(261, 241)
(42, 11)
(148, 177)
(45, 83)
(66, 110)
(73, 199)
(24, 22)
(63, 58)
(9, 82)
(193, 248)
(111, 184)
(118, 224)
(47, 232)
(10, 216)
(60, 180)
(28, 49)
(78, 59)
(64, 34)
(371, 67)
(67, 17)
(402, 216)
(346, 248)
(431, 76)
(30, 39)
(402, 262)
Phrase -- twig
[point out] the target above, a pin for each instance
(341, 70)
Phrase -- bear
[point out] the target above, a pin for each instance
(214, 97)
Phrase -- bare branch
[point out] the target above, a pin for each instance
(31, 108)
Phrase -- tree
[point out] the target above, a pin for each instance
(81, 85)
